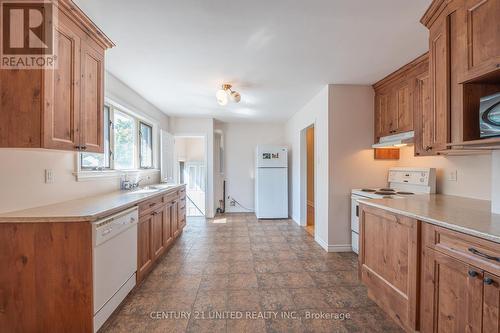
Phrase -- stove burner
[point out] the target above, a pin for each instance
(387, 190)
(368, 190)
(405, 193)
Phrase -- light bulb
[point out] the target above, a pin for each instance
(221, 96)
(235, 96)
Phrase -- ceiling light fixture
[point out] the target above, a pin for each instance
(225, 93)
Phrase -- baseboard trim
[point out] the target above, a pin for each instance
(333, 248)
(340, 248)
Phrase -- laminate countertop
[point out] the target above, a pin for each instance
(85, 209)
(469, 216)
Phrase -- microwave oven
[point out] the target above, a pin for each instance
(489, 116)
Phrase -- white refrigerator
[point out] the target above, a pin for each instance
(271, 182)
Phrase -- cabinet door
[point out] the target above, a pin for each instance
(381, 104)
(423, 116)
(62, 91)
(388, 262)
(167, 226)
(157, 245)
(451, 295)
(491, 305)
(390, 114)
(439, 56)
(144, 253)
(404, 121)
(482, 41)
(175, 219)
(92, 92)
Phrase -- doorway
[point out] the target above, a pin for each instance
(310, 180)
(191, 168)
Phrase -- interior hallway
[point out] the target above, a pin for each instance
(236, 263)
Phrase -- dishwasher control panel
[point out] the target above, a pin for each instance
(113, 225)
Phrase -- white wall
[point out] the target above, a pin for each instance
(314, 112)
(22, 170)
(240, 142)
(473, 172)
(192, 126)
(495, 182)
(352, 164)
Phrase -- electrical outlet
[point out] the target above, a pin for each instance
(49, 176)
(452, 175)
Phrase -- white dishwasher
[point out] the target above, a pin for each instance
(114, 261)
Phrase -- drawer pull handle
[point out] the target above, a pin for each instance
(484, 255)
(488, 281)
(152, 204)
(472, 273)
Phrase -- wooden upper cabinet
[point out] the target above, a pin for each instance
(92, 92)
(422, 116)
(464, 52)
(439, 87)
(404, 112)
(394, 102)
(452, 295)
(482, 38)
(60, 108)
(62, 96)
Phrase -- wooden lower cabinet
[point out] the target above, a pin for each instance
(491, 303)
(459, 291)
(161, 221)
(144, 253)
(389, 265)
(429, 278)
(157, 234)
(451, 294)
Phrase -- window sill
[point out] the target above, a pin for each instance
(85, 175)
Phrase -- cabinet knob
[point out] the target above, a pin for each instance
(472, 273)
(488, 281)
(78, 147)
(83, 147)
(427, 148)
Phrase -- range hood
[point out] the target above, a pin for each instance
(396, 140)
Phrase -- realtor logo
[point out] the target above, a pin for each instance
(27, 34)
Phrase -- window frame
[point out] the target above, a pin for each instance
(139, 145)
(93, 172)
(111, 141)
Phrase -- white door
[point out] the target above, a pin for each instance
(272, 193)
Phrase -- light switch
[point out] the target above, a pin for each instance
(49, 176)
(452, 176)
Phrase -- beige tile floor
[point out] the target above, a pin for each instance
(238, 274)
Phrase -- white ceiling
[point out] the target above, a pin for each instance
(276, 53)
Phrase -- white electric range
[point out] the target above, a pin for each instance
(403, 183)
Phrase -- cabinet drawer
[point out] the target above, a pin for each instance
(171, 197)
(472, 250)
(150, 205)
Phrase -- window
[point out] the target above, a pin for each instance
(124, 133)
(94, 161)
(146, 146)
(128, 144)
